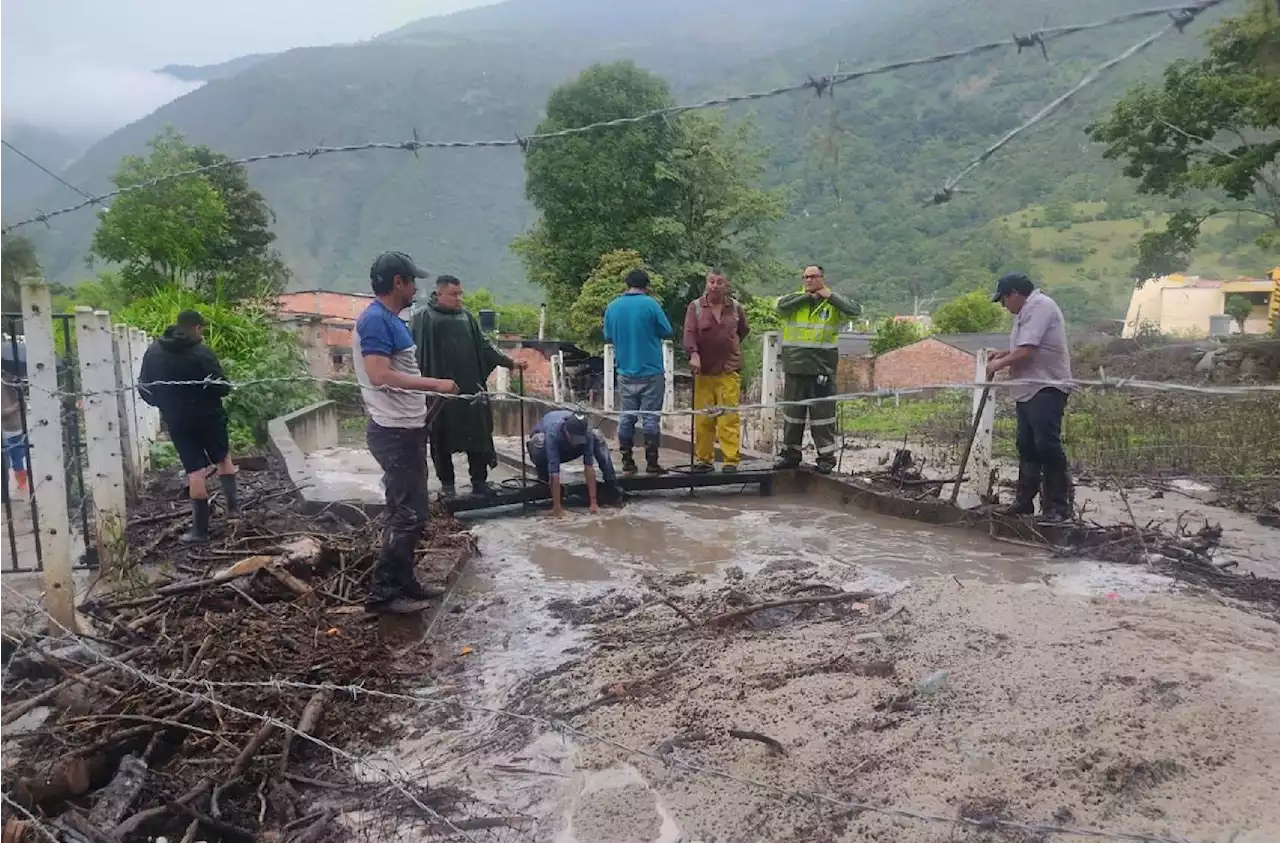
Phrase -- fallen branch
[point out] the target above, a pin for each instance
(620, 690)
(736, 614)
(774, 747)
(306, 725)
(13, 711)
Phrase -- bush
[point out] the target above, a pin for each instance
(607, 282)
(893, 333)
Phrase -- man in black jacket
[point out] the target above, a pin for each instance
(192, 412)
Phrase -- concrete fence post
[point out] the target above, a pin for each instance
(979, 482)
(502, 380)
(557, 377)
(770, 389)
(48, 468)
(669, 383)
(102, 432)
(127, 410)
(148, 416)
(610, 378)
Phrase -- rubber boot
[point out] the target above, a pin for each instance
(230, 495)
(1055, 497)
(24, 484)
(628, 460)
(448, 492)
(652, 466)
(788, 459)
(1024, 502)
(199, 531)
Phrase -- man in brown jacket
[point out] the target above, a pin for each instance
(714, 327)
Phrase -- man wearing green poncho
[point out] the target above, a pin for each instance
(449, 339)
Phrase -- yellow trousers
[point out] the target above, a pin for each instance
(717, 391)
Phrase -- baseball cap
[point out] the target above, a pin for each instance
(390, 264)
(1014, 282)
(575, 428)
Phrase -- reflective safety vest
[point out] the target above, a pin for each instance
(814, 324)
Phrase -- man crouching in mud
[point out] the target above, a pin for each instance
(399, 414)
(562, 436)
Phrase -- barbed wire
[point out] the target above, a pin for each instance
(1178, 23)
(564, 727)
(42, 168)
(1182, 14)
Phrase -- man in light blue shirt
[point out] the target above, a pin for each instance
(636, 326)
(562, 436)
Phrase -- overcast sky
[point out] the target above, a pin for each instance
(84, 65)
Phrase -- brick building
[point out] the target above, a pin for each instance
(940, 358)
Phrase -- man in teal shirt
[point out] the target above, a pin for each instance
(636, 326)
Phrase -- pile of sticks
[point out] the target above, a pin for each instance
(144, 728)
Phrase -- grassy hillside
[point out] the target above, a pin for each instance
(1073, 246)
(856, 167)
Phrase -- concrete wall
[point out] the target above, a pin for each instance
(929, 361)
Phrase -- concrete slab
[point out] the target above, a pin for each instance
(352, 474)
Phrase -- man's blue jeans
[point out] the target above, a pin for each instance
(640, 394)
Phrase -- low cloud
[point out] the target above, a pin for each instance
(82, 96)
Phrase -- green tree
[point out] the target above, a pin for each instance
(971, 313)
(607, 282)
(1239, 308)
(1210, 127)
(681, 192)
(207, 232)
(512, 318)
(598, 191)
(17, 262)
(894, 333)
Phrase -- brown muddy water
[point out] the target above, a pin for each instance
(513, 616)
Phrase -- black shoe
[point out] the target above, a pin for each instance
(628, 462)
(651, 464)
(481, 490)
(1024, 501)
(703, 468)
(825, 466)
(787, 461)
(396, 606)
(448, 492)
(230, 496)
(1055, 497)
(415, 590)
(199, 531)
(729, 468)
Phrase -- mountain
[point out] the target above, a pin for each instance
(24, 183)
(209, 72)
(856, 166)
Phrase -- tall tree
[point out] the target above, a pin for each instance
(598, 191)
(1210, 127)
(17, 262)
(971, 313)
(207, 231)
(680, 191)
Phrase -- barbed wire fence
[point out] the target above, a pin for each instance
(1180, 15)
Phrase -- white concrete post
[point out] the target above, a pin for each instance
(102, 432)
(557, 377)
(48, 469)
(148, 416)
(542, 322)
(610, 378)
(979, 482)
(126, 406)
(669, 383)
(770, 388)
(502, 380)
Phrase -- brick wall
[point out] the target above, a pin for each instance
(855, 374)
(537, 378)
(325, 303)
(921, 364)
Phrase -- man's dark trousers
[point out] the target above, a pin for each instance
(402, 454)
(821, 416)
(1041, 453)
(477, 465)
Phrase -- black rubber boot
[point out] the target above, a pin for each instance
(448, 492)
(199, 531)
(788, 459)
(1055, 498)
(628, 460)
(230, 495)
(1024, 501)
(825, 465)
(651, 464)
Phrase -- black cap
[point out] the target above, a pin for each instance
(190, 319)
(389, 264)
(575, 428)
(1014, 282)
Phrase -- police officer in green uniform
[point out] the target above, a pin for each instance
(810, 354)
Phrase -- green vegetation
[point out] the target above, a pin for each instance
(1239, 308)
(910, 418)
(18, 261)
(605, 284)
(971, 313)
(895, 333)
(851, 172)
(1204, 135)
(677, 195)
(207, 232)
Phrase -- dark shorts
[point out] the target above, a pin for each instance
(199, 447)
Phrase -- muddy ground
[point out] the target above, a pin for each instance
(1081, 697)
